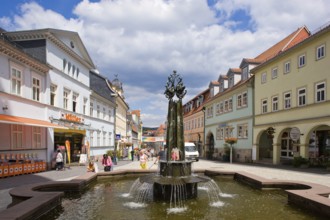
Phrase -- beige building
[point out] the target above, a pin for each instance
(292, 102)
(193, 120)
(121, 116)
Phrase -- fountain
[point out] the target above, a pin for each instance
(174, 182)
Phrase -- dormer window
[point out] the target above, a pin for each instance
(245, 73)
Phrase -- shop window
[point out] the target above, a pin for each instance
(36, 142)
(17, 137)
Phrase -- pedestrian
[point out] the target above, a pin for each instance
(161, 155)
(106, 162)
(132, 154)
(59, 160)
(143, 160)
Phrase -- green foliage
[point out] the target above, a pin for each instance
(298, 161)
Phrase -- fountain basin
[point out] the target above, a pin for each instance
(312, 197)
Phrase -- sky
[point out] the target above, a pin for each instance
(143, 41)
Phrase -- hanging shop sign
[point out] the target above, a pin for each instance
(118, 136)
(295, 134)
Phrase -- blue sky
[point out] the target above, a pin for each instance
(143, 41)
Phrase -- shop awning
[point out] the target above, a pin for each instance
(9, 119)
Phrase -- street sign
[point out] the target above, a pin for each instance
(295, 134)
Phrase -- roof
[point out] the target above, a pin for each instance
(100, 85)
(55, 35)
(297, 44)
(289, 41)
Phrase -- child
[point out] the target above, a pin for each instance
(143, 160)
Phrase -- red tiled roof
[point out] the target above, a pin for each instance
(289, 41)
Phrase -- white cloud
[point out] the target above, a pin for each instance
(145, 40)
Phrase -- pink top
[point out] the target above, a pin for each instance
(107, 162)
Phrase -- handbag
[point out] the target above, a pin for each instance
(107, 168)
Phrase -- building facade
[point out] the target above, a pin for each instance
(292, 102)
(84, 119)
(193, 120)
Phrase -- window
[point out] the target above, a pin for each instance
(78, 71)
(302, 97)
(226, 106)
(16, 81)
(242, 131)
(64, 64)
(230, 104)
(221, 107)
(104, 138)
(264, 78)
(36, 89)
(245, 73)
(91, 108)
(109, 138)
(218, 134)
(301, 60)
(85, 106)
(92, 138)
(110, 114)
(36, 142)
(264, 106)
(287, 67)
(239, 100)
(217, 109)
(274, 73)
(98, 140)
(245, 99)
(98, 111)
(69, 67)
(66, 99)
(210, 112)
(242, 100)
(320, 92)
(17, 137)
(73, 70)
(74, 101)
(104, 113)
(320, 52)
(287, 100)
(275, 104)
(53, 89)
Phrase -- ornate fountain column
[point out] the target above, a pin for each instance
(175, 136)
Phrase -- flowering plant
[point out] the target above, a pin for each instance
(231, 140)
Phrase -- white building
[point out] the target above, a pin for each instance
(84, 117)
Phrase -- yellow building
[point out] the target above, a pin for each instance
(292, 102)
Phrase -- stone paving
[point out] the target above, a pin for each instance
(318, 176)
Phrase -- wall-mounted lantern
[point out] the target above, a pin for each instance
(270, 132)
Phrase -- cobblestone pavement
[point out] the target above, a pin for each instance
(319, 176)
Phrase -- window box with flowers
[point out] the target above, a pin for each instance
(231, 140)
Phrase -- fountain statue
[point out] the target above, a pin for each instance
(175, 181)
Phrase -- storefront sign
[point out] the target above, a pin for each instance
(295, 134)
(72, 117)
